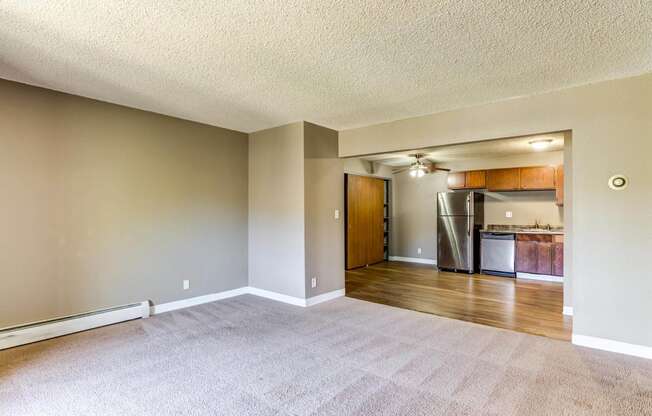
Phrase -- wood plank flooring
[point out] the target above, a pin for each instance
(522, 305)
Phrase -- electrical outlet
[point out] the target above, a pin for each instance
(419, 250)
(186, 284)
(313, 282)
(337, 214)
(508, 214)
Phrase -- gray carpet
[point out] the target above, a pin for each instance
(253, 356)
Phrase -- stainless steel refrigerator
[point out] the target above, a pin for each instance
(460, 216)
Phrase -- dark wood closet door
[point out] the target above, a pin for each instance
(365, 222)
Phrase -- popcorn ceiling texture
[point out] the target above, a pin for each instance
(249, 65)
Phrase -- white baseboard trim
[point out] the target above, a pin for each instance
(413, 260)
(186, 303)
(543, 277)
(245, 290)
(568, 310)
(276, 296)
(292, 300)
(39, 331)
(613, 346)
(325, 297)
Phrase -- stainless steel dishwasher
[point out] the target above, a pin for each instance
(498, 253)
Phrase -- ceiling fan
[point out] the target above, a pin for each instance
(420, 167)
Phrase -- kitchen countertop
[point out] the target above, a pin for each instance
(553, 232)
(521, 230)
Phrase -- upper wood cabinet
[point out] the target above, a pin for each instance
(472, 179)
(537, 178)
(457, 180)
(503, 179)
(559, 185)
(529, 178)
(476, 179)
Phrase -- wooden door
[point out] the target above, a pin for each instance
(537, 178)
(365, 221)
(476, 179)
(526, 256)
(559, 185)
(503, 179)
(544, 258)
(558, 259)
(456, 180)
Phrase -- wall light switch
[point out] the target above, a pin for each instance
(186, 284)
(419, 250)
(508, 214)
(337, 214)
(313, 282)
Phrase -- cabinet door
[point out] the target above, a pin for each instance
(544, 258)
(538, 177)
(526, 256)
(559, 185)
(456, 180)
(558, 259)
(503, 179)
(476, 179)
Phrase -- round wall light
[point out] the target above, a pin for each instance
(618, 182)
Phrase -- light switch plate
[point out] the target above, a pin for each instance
(186, 284)
(419, 250)
(337, 214)
(313, 282)
(508, 214)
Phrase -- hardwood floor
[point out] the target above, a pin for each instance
(522, 305)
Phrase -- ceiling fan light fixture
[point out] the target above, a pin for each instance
(540, 144)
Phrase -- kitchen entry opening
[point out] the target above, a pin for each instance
(479, 231)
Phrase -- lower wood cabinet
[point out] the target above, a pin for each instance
(539, 254)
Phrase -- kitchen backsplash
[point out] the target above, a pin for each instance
(525, 208)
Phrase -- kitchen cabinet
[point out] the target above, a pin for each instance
(540, 254)
(526, 256)
(503, 179)
(476, 179)
(472, 179)
(537, 178)
(557, 259)
(456, 180)
(559, 185)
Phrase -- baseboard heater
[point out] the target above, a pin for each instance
(39, 331)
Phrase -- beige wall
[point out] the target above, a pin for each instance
(276, 210)
(357, 166)
(324, 193)
(295, 185)
(414, 214)
(611, 124)
(104, 205)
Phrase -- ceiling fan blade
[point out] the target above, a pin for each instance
(395, 171)
(434, 168)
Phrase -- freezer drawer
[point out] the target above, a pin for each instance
(498, 253)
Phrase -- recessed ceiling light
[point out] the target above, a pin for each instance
(540, 144)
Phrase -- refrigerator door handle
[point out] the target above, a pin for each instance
(468, 225)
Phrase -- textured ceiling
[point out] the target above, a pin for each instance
(249, 65)
(475, 150)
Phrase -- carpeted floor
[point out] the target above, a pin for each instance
(253, 356)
